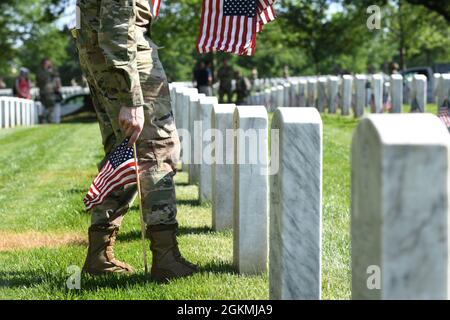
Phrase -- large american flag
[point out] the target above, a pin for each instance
(118, 171)
(155, 4)
(231, 25)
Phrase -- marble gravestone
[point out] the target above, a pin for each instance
(322, 97)
(194, 126)
(360, 95)
(347, 88)
(436, 82)
(333, 94)
(222, 166)
(397, 93)
(203, 161)
(4, 113)
(296, 206)
(302, 95)
(444, 89)
(286, 95)
(419, 93)
(407, 93)
(178, 106)
(250, 189)
(312, 93)
(377, 89)
(279, 94)
(293, 94)
(400, 208)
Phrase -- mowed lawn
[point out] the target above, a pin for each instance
(44, 174)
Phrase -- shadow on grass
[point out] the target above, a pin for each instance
(182, 184)
(136, 234)
(57, 281)
(218, 267)
(10, 279)
(189, 202)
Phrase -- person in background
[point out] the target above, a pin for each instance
(73, 82)
(2, 83)
(243, 88)
(203, 79)
(286, 72)
(254, 77)
(49, 85)
(395, 68)
(22, 85)
(225, 76)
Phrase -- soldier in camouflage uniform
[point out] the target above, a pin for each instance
(131, 97)
(49, 85)
(225, 76)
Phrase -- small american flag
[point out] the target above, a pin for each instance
(155, 4)
(444, 113)
(119, 170)
(231, 25)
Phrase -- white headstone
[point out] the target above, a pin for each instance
(347, 90)
(444, 90)
(296, 206)
(400, 208)
(419, 93)
(333, 94)
(322, 99)
(360, 95)
(377, 89)
(195, 130)
(312, 93)
(250, 189)
(184, 124)
(302, 95)
(279, 97)
(397, 93)
(204, 159)
(436, 81)
(286, 95)
(222, 166)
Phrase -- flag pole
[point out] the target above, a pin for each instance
(144, 245)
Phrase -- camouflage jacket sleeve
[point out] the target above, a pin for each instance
(118, 42)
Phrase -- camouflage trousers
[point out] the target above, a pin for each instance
(158, 147)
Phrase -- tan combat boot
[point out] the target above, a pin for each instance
(100, 258)
(167, 260)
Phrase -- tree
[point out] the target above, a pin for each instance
(19, 22)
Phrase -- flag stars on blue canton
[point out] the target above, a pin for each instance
(121, 154)
(240, 8)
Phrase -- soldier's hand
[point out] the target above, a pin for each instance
(131, 121)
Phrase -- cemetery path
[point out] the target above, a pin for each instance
(44, 174)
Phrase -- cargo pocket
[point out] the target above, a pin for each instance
(166, 123)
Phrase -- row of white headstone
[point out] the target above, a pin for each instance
(399, 197)
(239, 187)
(66, 91)
(330, 93)
(17, 112)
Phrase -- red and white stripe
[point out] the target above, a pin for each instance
(263, 4)
(234, 34)
(109, 180)
(266, 14)
(155, 7)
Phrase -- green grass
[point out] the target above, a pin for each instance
(44, 173)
